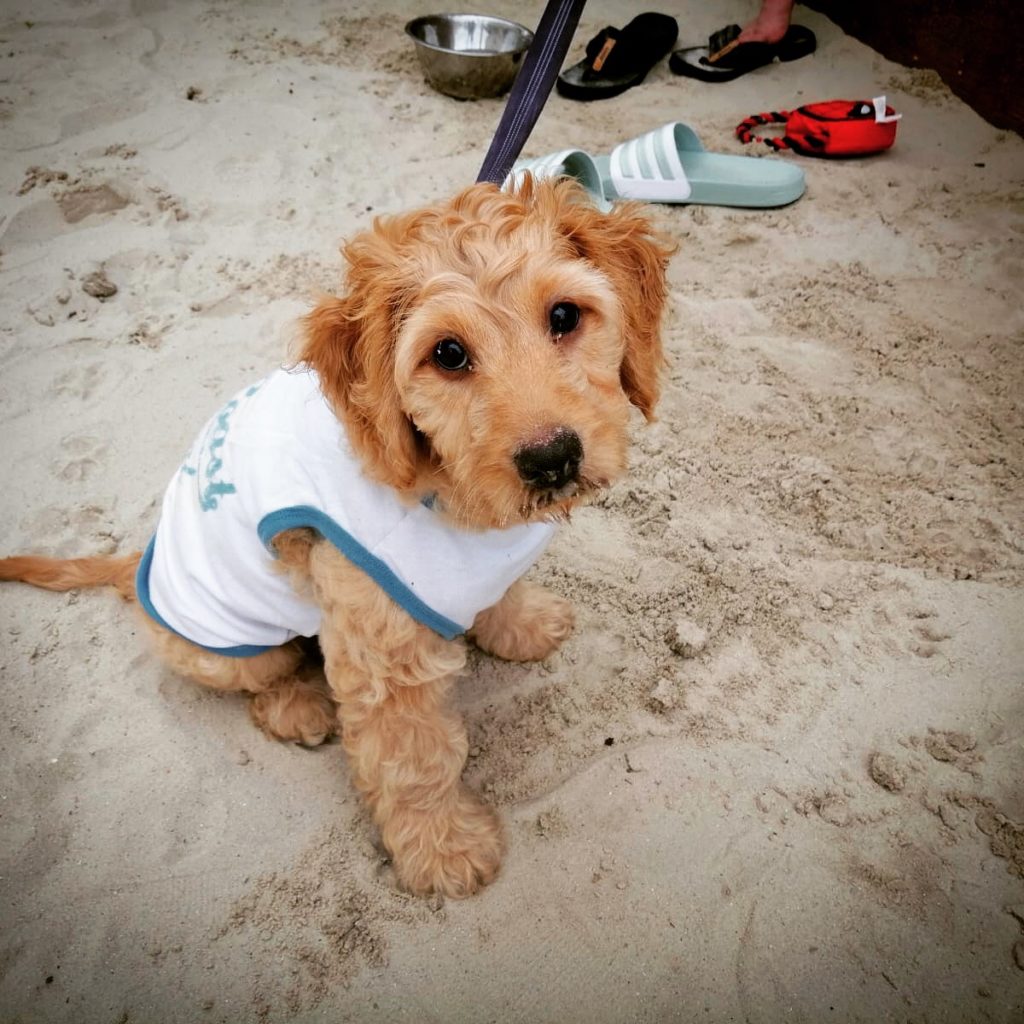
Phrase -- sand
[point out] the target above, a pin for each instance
(776, 773)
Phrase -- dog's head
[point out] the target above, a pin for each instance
(487, 349)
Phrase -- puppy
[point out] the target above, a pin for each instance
(386, 492)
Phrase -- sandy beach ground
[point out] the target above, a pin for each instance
(777, 773)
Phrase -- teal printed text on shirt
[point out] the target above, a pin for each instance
(210, 487)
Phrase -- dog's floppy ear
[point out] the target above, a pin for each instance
(625, 248)
(350, 342)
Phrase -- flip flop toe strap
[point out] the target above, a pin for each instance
(719, 40)
(600, 51)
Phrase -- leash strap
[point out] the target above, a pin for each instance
(532, 87)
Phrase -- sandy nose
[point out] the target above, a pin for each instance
(552, 462)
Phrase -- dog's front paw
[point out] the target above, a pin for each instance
(527, 624)
(453, 854)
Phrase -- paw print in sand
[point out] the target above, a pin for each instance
(80, 454)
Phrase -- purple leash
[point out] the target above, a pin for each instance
(532, 87)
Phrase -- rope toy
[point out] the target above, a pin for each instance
(833, 128)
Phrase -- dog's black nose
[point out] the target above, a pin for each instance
(552, 463)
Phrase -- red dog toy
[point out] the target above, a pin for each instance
(834, 128)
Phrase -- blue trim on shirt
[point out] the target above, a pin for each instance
(297, 516)
(142, 590)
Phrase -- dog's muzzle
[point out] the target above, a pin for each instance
(552, 463)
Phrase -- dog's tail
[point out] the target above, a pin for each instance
(72, 573)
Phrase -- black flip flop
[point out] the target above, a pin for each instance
(694, 63)
(618, 59)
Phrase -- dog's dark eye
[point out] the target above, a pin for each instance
(564, 317)
(450, 355)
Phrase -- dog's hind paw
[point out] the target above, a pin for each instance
(527, 624)
(295, 710)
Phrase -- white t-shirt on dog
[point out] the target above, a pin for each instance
(275, 458)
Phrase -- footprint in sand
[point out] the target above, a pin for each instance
(79, 381)
(927, 634)
(85, 200)
(79, 456)
(70, 531)
(953, 747)
(50, 217)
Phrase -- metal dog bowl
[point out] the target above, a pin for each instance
(469, 56)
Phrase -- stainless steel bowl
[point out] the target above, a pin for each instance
(469, 56)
